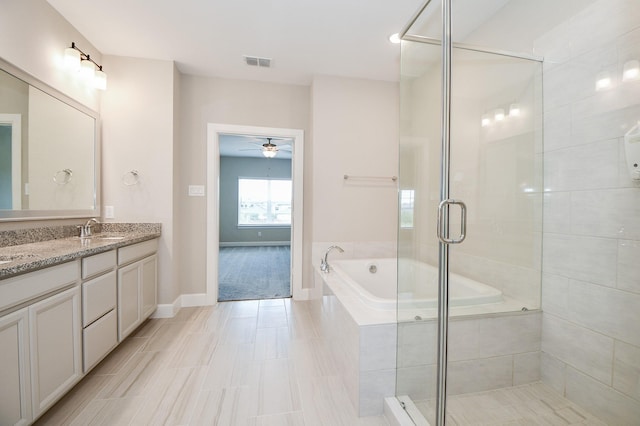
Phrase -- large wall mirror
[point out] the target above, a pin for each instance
(48, 151)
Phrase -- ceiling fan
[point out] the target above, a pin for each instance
(269, 149)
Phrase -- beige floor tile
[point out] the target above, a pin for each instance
(271, 343)
(114, 362)
(286, 419)
(272, 316)
(226, 407)
(195, 350)
(72, 404)
(168, 337)
(244, 308)
(108, 412)
(173, 397)
(232, 366)
(136, 375)
(148, 328)
(239, 330)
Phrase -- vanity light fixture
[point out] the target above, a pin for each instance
(498, 115)
(486, 121)
(631, 70)
(395, 38)
(514, 110)
(78, 61)
(603, 80)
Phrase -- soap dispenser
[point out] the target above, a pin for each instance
(632, 151)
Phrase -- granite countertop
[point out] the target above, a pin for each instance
(22, 258)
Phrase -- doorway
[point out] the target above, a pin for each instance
(255, 193)
(250, 231)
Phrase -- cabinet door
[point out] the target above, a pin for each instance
(129, 315)
(149, 285)
(55, 338)
(15, 393)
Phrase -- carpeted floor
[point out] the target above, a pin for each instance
(247, 273)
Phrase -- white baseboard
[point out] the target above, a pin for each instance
(169, 310)
(256, 243)
(302, 294)
(196, 299)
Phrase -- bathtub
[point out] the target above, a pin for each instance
(377, 338)
(374, 282)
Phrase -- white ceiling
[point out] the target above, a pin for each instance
(251, 146)
(209, 37)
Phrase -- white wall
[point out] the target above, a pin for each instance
(223, 101)
(138, 128)
(33, 36)
(591, 285)
(355, 132)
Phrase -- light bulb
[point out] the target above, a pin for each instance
(87, 70)
(395, 38)
(499, 114)
(100, 80)
(486, 121)
(631, 70)
(72, 59)
(269, 153)
(514, 110)
(603, 80)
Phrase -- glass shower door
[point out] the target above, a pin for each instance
(492, 323)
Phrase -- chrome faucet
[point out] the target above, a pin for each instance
(85, 231)
(324, 265)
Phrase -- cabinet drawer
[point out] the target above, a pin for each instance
(98, 297)
(98, 339)
(98, 263)
(23, 288)
(137, 251)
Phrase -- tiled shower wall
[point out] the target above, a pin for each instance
(591, 242)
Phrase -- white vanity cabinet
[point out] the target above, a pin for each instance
(15, 391)
(137, 285)
(99, 318)
(40, 340)
(55, 344)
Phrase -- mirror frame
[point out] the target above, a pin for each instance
(19, 215)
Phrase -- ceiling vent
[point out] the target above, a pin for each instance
(255, 61)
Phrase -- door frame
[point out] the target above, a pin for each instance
(15, 121)
(214, 130)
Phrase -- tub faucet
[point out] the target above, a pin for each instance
(324, 265)
(85, 231)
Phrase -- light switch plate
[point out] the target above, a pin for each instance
(196, 190)
(108, 212)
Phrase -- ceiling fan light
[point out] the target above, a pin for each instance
(269, 153)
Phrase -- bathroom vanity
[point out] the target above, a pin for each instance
(64, 305)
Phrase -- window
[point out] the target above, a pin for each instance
(406, 208)
(264, 202)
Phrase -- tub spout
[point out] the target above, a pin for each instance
(324, 265)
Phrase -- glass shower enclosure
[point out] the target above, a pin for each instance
(470, 229)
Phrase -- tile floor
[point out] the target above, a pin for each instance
(238, 363)
(533, 404)
(256, 363)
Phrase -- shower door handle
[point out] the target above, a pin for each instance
(442, 234)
